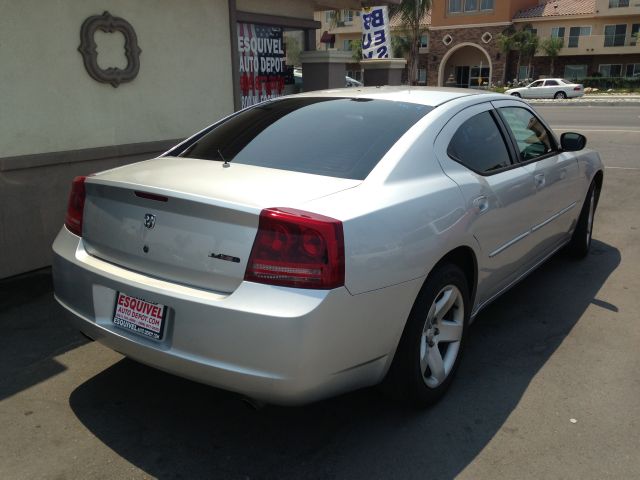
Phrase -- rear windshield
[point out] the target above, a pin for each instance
(338, 137)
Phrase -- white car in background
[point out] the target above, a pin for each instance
(549, 88)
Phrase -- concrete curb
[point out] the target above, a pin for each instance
(591, 101)
(587, 103)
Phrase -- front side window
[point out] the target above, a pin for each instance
(479, 145)
(537, 83)
(532, 137)
(337, 137)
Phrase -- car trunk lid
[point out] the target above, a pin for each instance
(189, 221)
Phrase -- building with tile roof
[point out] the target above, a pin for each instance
(600, 37)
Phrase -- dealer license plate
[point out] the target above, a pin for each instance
(140, 316)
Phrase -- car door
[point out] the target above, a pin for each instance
(555, 174)
(551, 87)
(475, 152)
(534, 90)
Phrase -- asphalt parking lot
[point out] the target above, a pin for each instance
(549, 386)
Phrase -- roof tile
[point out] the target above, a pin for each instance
(555, 8)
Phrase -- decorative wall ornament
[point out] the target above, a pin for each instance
(88, 49)
(486, 37)
(447, 39)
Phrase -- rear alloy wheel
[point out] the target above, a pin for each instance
(431, 345)
(560, 95)
(581, 239)
(516, 94)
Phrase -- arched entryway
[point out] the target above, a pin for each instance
(466, 65)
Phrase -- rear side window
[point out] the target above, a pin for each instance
(338, 137)
(551, 83)
(479, 145)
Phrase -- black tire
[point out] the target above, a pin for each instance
(516, 94)
(560, 95)
(406, 381)
(580, 242)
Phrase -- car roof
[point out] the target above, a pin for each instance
(431, 96)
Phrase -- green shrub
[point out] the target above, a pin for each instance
(605, 83)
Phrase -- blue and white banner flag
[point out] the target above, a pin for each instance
(376, 39)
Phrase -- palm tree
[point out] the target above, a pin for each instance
(530, 47)
(410, 13)
(505, 44)
(551, 47)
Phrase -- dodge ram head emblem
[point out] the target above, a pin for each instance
(149, 220)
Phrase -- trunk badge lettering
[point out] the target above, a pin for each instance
(222, 256)
(149, 220)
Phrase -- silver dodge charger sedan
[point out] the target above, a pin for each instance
(324, 242)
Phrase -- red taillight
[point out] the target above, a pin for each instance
(577, 89)
(75, 208)
(297, 249)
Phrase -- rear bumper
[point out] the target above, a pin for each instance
(277, 344)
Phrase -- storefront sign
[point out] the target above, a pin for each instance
(262, 63)
(376, 39)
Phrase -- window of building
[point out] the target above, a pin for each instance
(347, 16)
(635, 33)
(486, 5)
(524, 72)
(422, 75)
(479, 77)
(575, 72)
(455, 6)
(355, 74)
(610, 70)
(329, 15)
(479, 145)
(618, 3)
(557, 32)
(424, 41)
(614, 35)
(532, 137)
(633, 70)
(575, 33)
(346, 45)
(470, 5)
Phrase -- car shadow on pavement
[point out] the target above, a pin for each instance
(32, 331)
(173, 428)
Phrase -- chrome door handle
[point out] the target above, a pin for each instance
(481, 203)
(539, 180)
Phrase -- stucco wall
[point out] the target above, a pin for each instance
(49, 102)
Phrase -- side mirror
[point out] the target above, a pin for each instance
(572, 142)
